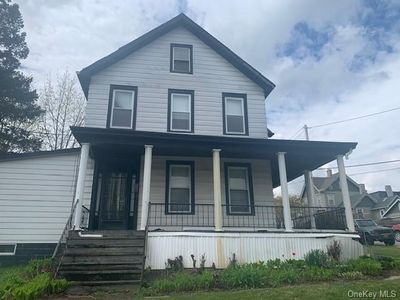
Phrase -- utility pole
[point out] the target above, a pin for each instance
(306, 132)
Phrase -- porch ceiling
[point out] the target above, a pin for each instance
(300, 155)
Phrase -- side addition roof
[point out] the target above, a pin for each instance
(181, 20)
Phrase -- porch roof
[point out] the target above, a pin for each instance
(300, 155)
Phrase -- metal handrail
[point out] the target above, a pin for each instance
(146, 231)
(67, 227)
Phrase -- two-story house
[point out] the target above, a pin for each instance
(176, 159)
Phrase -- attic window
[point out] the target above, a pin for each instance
(181, 58)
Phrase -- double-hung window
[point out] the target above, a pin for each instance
(122, 107)
(180, 110)
(238, 184)
(235, 114)
(181, 59)
(331, 199)
(180, 187)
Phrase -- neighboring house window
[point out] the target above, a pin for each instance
(235, 113)
(122, 107)
(181, 58)
(317, 199)
(180, 110)
(180, 187)
(331, 199)
(239, 190)
(382, 212)
(359, 211)
(8, 249)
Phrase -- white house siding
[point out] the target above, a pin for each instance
(36, 196)
(149, 70)
(219, 248)
(261, 175)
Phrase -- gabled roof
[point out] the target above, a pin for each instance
(385, 202)
(355, 199)
(323, 183)
(181, 20)
(397, 200)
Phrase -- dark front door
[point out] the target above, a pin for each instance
(116, 207)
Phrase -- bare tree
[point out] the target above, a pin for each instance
(64, 106)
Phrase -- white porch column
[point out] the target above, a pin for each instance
(148, 149)
(285, 192)
(345, 193)
(217, 190)
(310, 195)
(80, 185)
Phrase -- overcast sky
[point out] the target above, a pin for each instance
(330, 60)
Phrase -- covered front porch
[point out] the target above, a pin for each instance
(144, 161)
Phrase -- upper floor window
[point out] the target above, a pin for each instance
(331, 199)
(180, 187)
(122, 106)
(235, 113)
(239, 193)
(180, 110)
(181, 58)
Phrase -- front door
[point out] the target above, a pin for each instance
(115, 199)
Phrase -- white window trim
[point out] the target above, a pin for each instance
(112, 109)
(173, 60)
(189, 167)
(190, 112)
(248, 192)
(226, 115)
(9, 253)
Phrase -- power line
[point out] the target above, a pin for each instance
(377, 171)
(296, 133)
(366, 164)
(355, 118)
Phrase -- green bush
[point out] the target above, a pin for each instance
(244, 276)
(316, 258)
(387, 263)
(285, 276)
(317, 274)
(316, 266)
(30, 282)
(183, 282)
(366, 266)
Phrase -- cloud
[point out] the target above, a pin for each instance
(330, 60)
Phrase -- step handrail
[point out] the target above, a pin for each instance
(146, 231)
(67, 227)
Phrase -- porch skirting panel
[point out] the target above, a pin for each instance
(219, 248)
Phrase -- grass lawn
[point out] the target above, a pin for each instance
(392, 251)
(333, 290)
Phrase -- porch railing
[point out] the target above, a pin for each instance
(318, 218)
(257, 216)
(179, 216)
